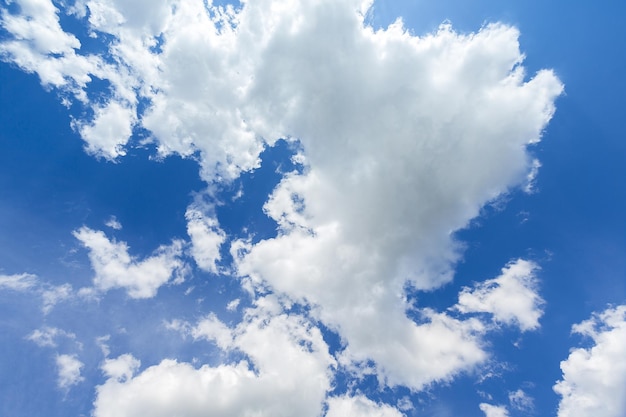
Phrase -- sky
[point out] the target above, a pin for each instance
(337, 208)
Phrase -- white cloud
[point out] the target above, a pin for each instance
(115, 268)
(18, 282)
(37, 35)
(594, 378)
(113, 223)
(69, 368)
(211, 328)
(46, 336)
(206, 238)
(232, 306)
(290, 376)
(406, 138)
(520, 400)
(52, 295)
(39, 45)
(512, 297)
(122, 368)
(494, 410)
(359, 406)
(222, 81)
(109, 130)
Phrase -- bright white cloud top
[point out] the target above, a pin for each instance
(511, 298)
(594, 379)
(401, 141)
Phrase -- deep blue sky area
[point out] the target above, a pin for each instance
(572, 225)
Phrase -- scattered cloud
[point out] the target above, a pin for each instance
(232, 306)
(206, 238)
(113, 223)
(46, 336)
(69, 368)
(18, 282)
(359, 406)
(52, 295)
(594, 378)
(29, 283)
(115, 268)
(122, 368)
(512, 297)
(494, 410)
(521, 401)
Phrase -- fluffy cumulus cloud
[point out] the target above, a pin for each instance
(286, 373)
(116, 268)
(594, 378)
(404, 138)
(206, 238)
(68, 367)
(512, 297)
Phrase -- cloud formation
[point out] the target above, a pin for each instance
(404, 138)
(286, 372)
(18, 282)
(359, 406)
(206, 238)
(116, 268)
(594, 378)
(46, 336)
(494, 410)
(512, 297)
(68, 367)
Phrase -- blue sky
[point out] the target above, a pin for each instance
(312, 209)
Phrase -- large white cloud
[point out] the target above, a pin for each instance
(405, 138)
(594, 378)
(288, 373)
(114, 267)
(512, 297)
(220, 81)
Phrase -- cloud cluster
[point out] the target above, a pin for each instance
(404, 138)
(594, 378)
